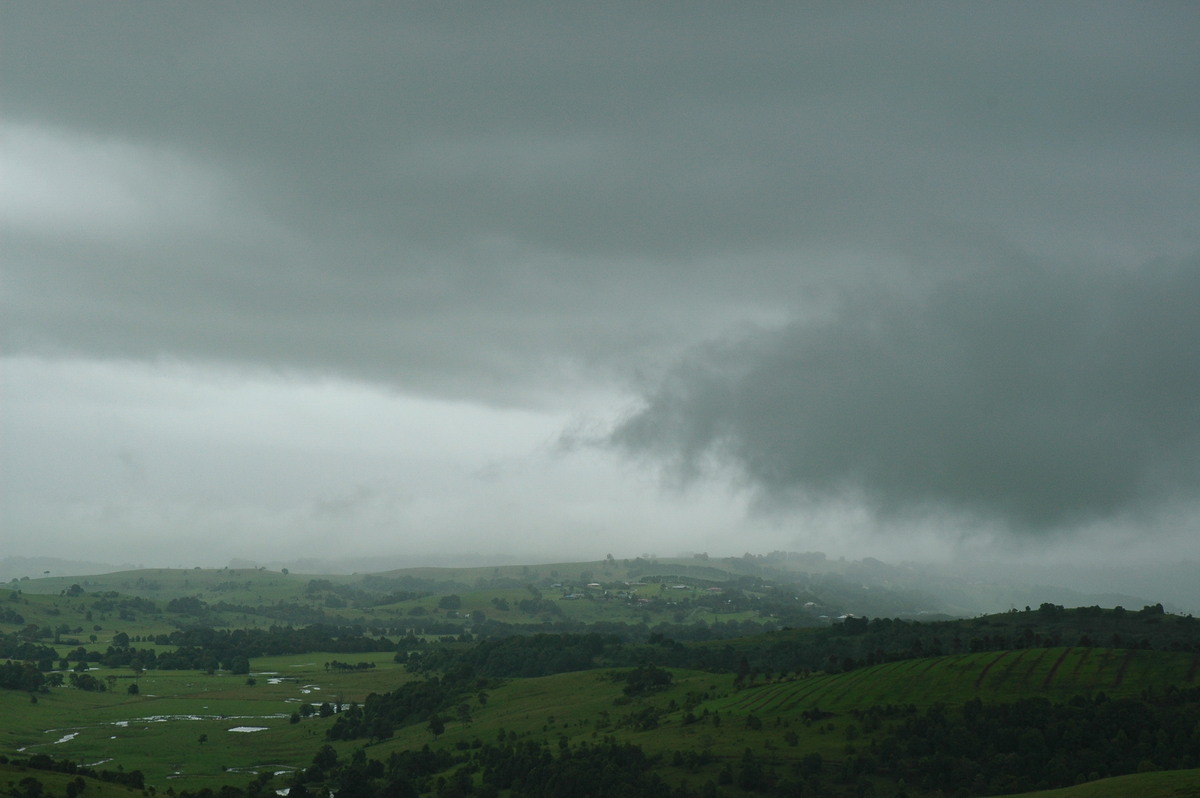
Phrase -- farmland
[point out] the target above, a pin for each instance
(709, 682)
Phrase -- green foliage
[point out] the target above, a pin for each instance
(987, 748)
(645, 679)
(437, 727)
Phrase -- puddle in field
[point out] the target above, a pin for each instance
(248, 728)
(66, 738)
(254, 770)
(166, 718)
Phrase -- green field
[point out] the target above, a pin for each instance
(996, 676)
(159, 730)
(1167, 784)
(193, 729)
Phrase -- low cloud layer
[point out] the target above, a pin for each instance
(1041, 398)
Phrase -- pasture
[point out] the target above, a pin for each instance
(188, 728)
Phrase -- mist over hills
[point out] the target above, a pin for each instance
(34, 567)
(959, 589)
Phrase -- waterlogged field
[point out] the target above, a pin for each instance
(190, 728)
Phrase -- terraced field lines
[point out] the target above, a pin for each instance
(952, 674)
(1084, 656)
(1006, 672)
(800, 694)
(1054, 668)
(930, 663)
(983, 673)
(900, 672)
(1123, 667)
(1033, 667)
(852, 683)
(763, 696)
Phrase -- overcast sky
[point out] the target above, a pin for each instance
(556, 280)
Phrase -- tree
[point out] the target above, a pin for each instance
(436, 725)
(646, 679)
(450, 602)
(133, 689)
(325, 758)
(298, 790)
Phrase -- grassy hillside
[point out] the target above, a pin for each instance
(1165, 784)
(750, 707)
(16, 779)
(996, 676)
(195, 716)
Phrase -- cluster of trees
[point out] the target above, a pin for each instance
(349, 595)
(514, 766)
(404, 774)
(533, 769)
(410, 703)
(532, 655)
(23, 657)
(133, 779)
(1034, 744)
(21, 676)
(858, 642)
(344, 667)
(644, 679)
(199, 649)
(226, 645)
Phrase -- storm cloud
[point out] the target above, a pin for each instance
(1040, 398)
(323, 267)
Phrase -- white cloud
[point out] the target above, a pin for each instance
(60, 182)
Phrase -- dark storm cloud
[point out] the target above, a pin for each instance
(541, 206)
(466, 200)
(1042, 398)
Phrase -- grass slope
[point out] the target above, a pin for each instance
(159, 730)
(1164, 784)
(56, 783)
(1057, 673)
